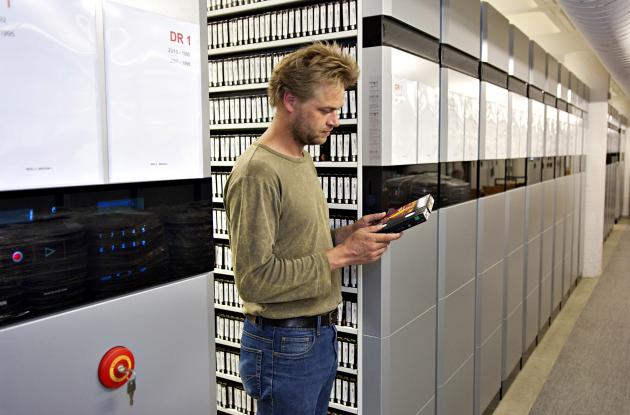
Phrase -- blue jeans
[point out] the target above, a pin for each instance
(289, 371)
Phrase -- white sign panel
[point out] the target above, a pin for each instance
(153, 76)
(404, 120)
(462, 117)
(50, 131)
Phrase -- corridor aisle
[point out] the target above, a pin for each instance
(582, 364)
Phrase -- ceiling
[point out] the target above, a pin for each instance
(606, 26)
(599, 28)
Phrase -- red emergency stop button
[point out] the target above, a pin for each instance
(17, 257)
(116, 367)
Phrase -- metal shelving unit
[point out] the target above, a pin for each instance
(252, 7)
(262, 125)
(252, 129)
(251, 47)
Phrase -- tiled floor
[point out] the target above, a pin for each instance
(529, 382)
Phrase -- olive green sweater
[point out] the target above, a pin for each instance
(279, 231)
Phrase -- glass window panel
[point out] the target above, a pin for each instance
(61, 248)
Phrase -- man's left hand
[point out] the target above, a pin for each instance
(368, 220)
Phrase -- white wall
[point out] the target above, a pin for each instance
(596, 125)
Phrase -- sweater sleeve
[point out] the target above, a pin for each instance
(253, 208)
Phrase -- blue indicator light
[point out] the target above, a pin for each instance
(142, 269)
(143, 242)
(143, 229)
(53, 210)
(106, 278)
(113, 247)
(123, 246)
(133, 244)
(101, 250)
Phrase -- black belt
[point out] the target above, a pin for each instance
(327, 319)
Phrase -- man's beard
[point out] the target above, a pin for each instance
(304, 136)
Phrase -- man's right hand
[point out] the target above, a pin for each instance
(361, 247)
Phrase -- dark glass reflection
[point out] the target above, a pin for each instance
(391, 187)
(559, 167)
(568, 166)
(491, 177)
(66, 247)
(548, 168)
(534, 170)
(515, 173)
(612, 158)
(458, 182)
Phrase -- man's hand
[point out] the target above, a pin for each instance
(362, 246)
(368, 220)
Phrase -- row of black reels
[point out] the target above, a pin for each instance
(58, 261)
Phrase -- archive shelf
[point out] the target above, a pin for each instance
(342, 206)
(343, 408)
(228, 308)
(237, 379)
(227, 343)
(242, 87)
(229, 411)
(346, 329)
(341, 329)
(283, 42)
(232, 378)
(352, 211)
(253, 7)
(347, 370)
(338, 206)
(263, 125)
(349, 290)
(323, 164)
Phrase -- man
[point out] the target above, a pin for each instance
(286, 259)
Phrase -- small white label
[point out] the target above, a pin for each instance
(353, 14)
(345, 11)
(274, 28)
(339, 147)
(310, 19)
(340, 195)
(267, 26)
(333, 188)
(353, 104)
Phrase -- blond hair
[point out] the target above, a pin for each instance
(302, 71)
